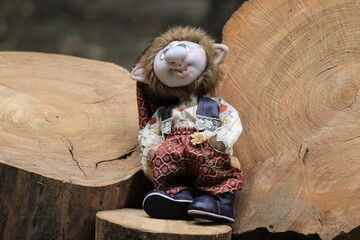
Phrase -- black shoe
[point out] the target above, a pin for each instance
(218, 208)
(158, 204)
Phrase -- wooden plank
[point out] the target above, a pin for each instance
(136, 224)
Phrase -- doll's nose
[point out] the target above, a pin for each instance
(175, 55)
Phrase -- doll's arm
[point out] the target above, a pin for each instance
(230, 128)
(150, 138)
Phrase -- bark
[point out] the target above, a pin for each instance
(68, 131)
(128, 223)
(293, 74)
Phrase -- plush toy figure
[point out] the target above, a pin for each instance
(186, 138)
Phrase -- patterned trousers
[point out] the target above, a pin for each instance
(178, 164)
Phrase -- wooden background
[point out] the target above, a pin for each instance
(293, 74)
(68, 129)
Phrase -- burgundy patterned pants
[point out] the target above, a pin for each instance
(178, 164)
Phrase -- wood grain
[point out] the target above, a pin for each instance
(293, 73)
(68, 130)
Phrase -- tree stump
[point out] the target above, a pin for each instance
(68, 146)
(129, 223)
(293, 72)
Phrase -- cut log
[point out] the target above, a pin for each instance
(129, 223)
(68, 145)
(293, 73)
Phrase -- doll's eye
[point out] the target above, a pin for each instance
(184, 46)
(162, 55)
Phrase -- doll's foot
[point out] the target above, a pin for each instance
(158, 204)
(218, 208)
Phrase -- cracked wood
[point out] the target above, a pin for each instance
(51, 139)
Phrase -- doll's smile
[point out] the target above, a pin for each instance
(181, 72)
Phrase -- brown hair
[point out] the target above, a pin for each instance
(206, 83)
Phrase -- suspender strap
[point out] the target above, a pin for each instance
(208, 108)
(167, 113)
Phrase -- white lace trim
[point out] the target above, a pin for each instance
(144, 161)
(166, 125)
(207, 123)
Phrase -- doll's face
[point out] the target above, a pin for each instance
(180, 63)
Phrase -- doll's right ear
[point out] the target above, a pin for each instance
(137, 73)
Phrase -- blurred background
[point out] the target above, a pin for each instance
(109, 30)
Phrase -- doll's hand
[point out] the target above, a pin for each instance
(218, 145)
(197, 138)
(152, 151)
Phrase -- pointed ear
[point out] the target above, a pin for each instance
(221, 50)
(137, 73)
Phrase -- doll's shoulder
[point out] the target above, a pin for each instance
(220, 100)
(159, 110)
(225, 107)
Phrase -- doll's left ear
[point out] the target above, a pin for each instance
(220, 50)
